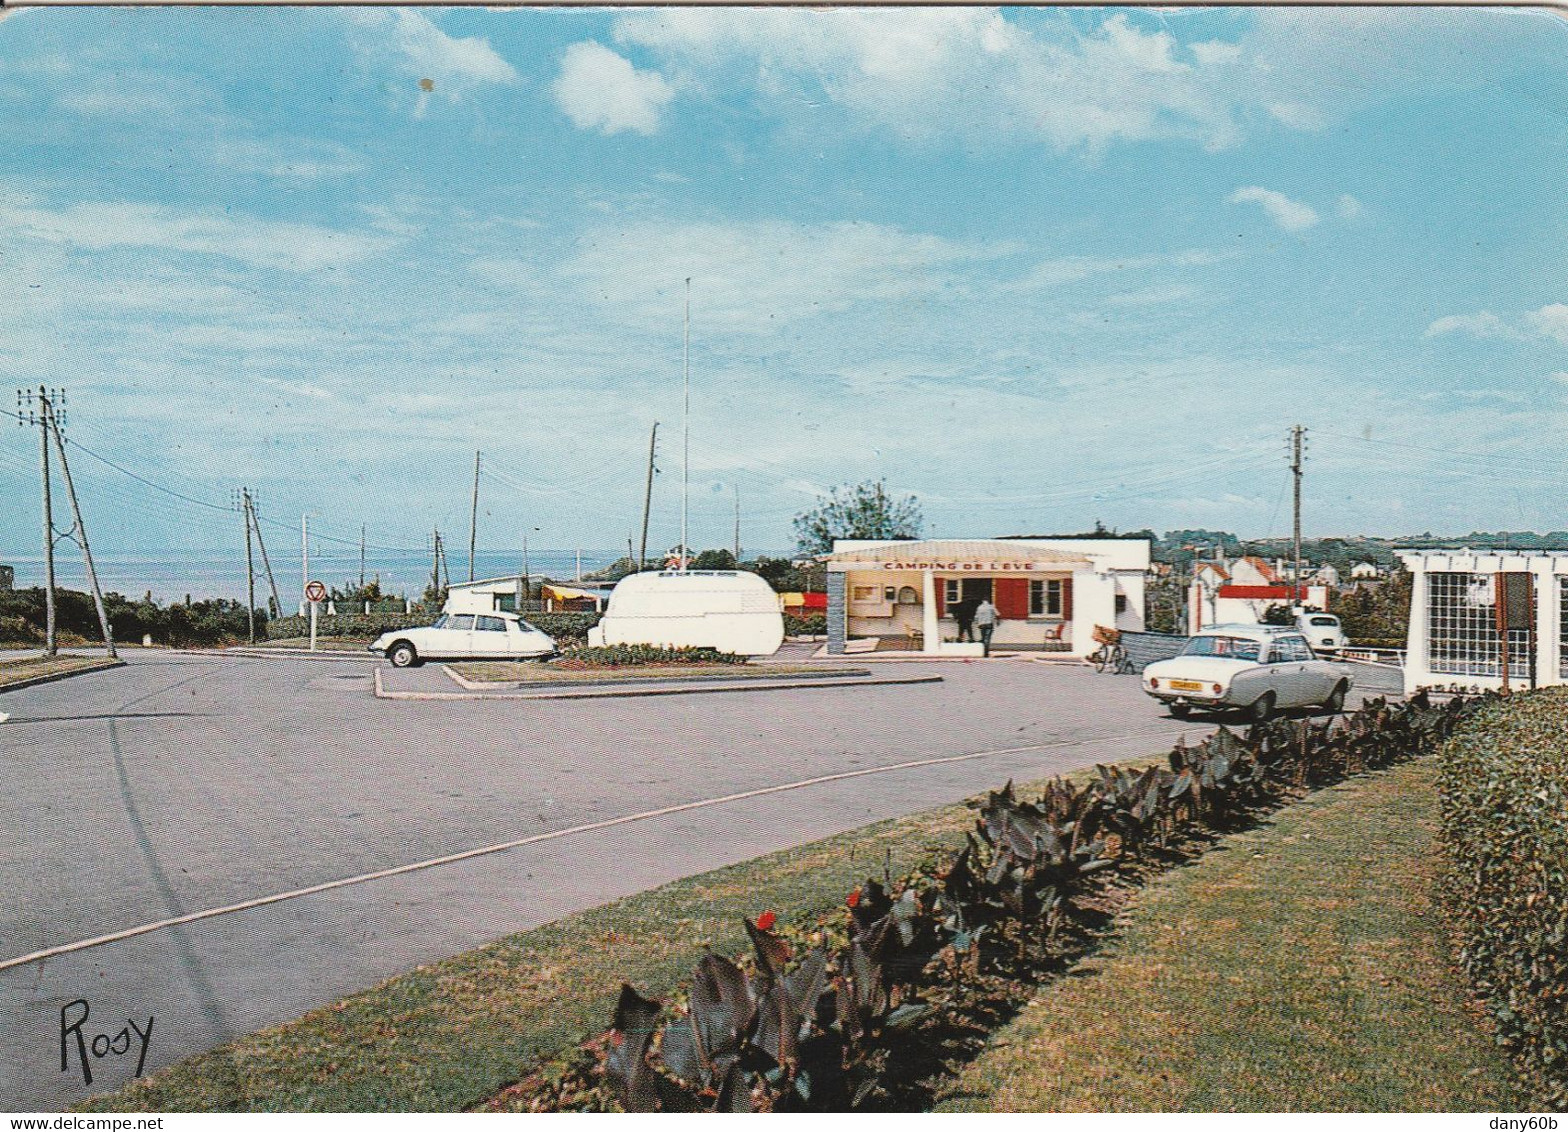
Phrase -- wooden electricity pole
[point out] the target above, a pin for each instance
(473, 520)
(51, 645)
(737, 526)
(1296, 433)
(52, 425)
(647, 497)
(266, 564)
(250, 570)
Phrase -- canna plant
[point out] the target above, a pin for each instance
(779, 1031)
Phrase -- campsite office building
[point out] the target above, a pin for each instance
(1464, 604)
(1049, 592)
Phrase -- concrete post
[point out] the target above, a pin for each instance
(838, 614)
(1417, 652)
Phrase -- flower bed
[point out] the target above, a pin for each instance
(587, 658)
(825, 1017)
(1504, 792)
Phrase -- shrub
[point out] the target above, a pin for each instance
(1504, 789)
(562, 626)
(810, 1021)
(807, 625)
(616, 656)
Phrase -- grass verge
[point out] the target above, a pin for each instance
(451, 1035)
(1299, 966)
(16, 673)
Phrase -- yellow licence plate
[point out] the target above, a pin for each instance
(1186, 686)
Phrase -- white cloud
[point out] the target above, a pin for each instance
(296, 157)
(758, 277)
(921, 73)
(1348, 207)
(446, 67)
(1291, 215)
(1071, 269)
(600, 90)
(281, 245)
(1551, 320)
(1482, 325)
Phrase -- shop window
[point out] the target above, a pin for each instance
(1121, 603)
(950, 594)
(1045, 597)
(864, 593)
(908, 596)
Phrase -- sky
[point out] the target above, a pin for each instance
(1040, 268)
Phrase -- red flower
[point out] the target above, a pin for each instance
(766, 921)
(853, 899)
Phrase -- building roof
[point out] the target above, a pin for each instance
(1264, 568)
(950, 550)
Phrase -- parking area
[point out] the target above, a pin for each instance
(178, 784)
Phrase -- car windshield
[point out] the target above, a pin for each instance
(1234, 648)
(440, 622)
(1325, 621)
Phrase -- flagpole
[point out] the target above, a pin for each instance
(685, 424)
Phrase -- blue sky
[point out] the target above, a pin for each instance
(1037, 267)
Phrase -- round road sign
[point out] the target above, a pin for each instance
(315, 591)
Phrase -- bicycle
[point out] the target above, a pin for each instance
(1110, 656)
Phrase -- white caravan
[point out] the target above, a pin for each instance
(729, 610)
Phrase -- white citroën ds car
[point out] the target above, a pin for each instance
(1258, 669)
(458, 636)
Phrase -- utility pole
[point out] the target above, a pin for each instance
(272, 585)
(1296, 434)
(53, 425)
(27, 416)
(737, 525)
(250, 568)
(362, 559)
(685, 420)
(435, 559)
(304, 556)
(473, 520)
(579, 564)
(647, 497)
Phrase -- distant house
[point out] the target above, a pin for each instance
(1327, 575)
(1242, 591)
(1365, 571)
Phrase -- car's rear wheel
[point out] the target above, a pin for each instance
(1336, 702)
(1262, 709)
(1181, 711)
(402, 655)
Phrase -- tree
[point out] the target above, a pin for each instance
(864, 511)
(714, 560)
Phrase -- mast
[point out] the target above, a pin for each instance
(685, 423)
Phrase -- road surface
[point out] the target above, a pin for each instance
(180, 783)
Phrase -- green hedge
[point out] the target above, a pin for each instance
(561, 626)
(811, 625)
(1504, 784)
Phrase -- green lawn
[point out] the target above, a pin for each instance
(1301, 966)
(452, 1035)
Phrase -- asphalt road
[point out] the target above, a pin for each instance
(183, 783)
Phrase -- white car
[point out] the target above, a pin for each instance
(466, 636)
(1323, 631)
(1258, 669)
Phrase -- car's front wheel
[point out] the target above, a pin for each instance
(1336, 702)
(1262, 709)
(402, 655)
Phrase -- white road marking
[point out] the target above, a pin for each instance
(572, 831)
